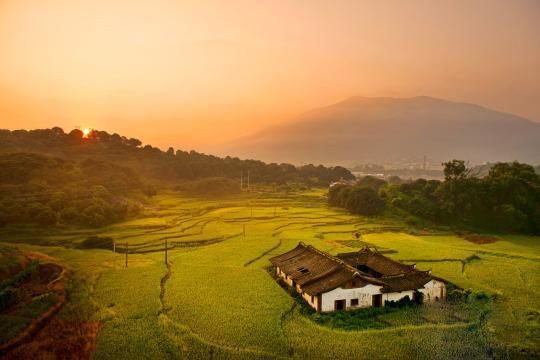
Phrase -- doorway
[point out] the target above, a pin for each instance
(339, 305)
(377, 300)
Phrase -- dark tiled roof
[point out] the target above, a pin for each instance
(376, 261)
(317, 272)
(331, 281)
(411, 281)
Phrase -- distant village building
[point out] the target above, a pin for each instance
(353, 280)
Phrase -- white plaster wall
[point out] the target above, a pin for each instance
(298, 289)
(363, 294)
(313, 303)
(282, 275)
(432, 291)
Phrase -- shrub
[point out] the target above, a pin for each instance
(97, 242)
(8, 297)
(403, 302)
(365, 201)
(20, 277)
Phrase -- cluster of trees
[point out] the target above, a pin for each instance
(152, 163)
(506, 199)
(48, 191)
(357, 199)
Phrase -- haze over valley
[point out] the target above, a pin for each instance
(394, 130)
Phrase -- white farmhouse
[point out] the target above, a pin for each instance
(351, 280)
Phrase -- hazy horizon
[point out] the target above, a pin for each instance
(199, 73)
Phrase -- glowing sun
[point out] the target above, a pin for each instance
(86, 132)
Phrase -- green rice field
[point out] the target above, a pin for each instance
(216, 298)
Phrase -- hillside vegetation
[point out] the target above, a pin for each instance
(507, 199)
(48, 191)
(156, 165)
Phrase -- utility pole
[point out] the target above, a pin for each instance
(242, 180)
(248, 181)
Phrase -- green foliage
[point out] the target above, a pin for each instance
(455, 169)
(357, 319)
(38, 305)
(211, 187)
(507, 199)
(8, 297)
(364, 201)
(97, 242)
(152, 163)
(356, 199)
(20, 277)
(47, 191)
(370, 182)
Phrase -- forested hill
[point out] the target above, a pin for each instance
(48, 191)
(152, 163)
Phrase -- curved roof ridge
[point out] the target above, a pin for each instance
(348, 267)
(417, 272)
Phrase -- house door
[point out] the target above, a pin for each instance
(339, 305)
(377, 300)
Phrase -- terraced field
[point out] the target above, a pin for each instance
(216, 298)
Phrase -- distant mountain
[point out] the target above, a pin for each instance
(363, 129)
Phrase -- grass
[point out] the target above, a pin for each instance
(219, 300)
(13, 323)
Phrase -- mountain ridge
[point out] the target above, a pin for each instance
(363, 125)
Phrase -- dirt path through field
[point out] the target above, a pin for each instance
(164, 308)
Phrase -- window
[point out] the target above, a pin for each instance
(354, 302)
(303, 270)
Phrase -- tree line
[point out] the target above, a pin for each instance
(153, 164)
(506, 199)
(48, 191)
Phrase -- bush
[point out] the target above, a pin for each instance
(97, 242)
(365, 201)
(8, 297)
(405, 301)
(20, 277)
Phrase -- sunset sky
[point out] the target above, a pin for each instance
(196, 73)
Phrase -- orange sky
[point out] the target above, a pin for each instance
(196, 73)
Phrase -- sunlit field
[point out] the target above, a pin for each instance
(217, 299)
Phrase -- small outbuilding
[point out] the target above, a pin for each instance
(353, 280)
